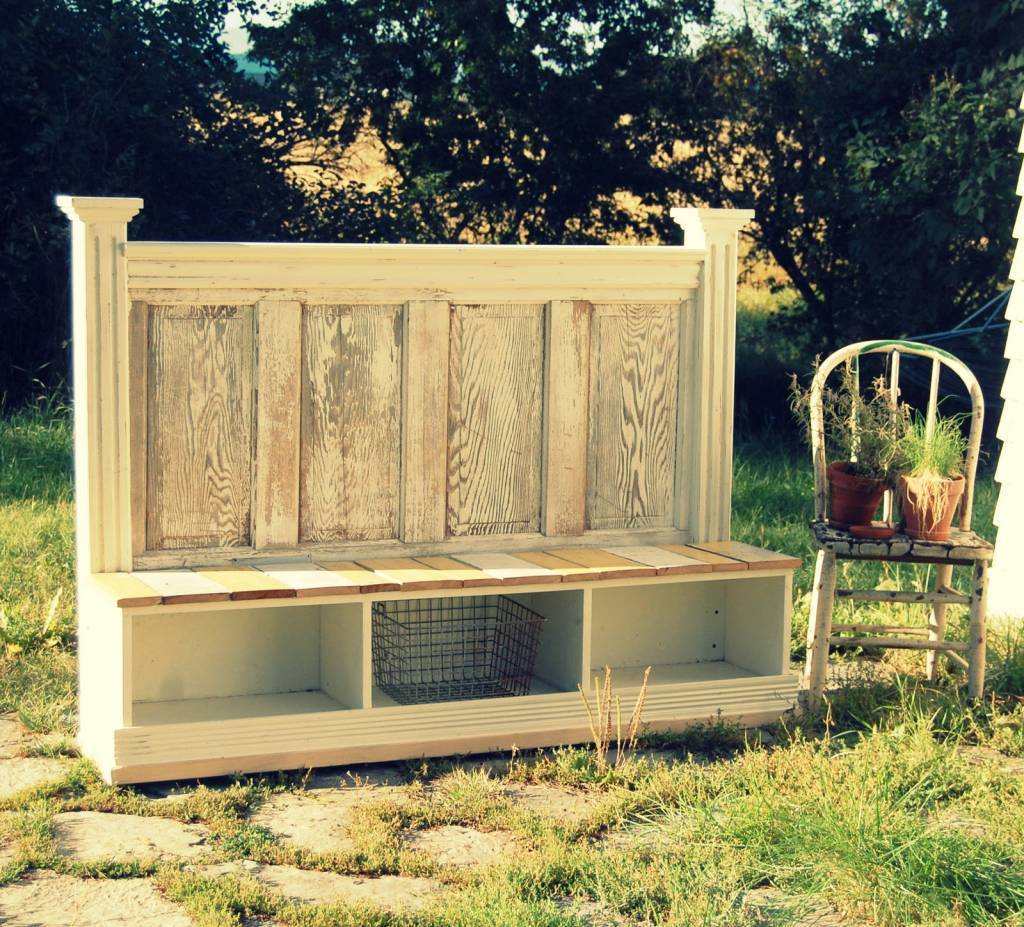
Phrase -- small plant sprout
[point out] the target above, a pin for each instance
(932, 460)
(607, 713)
(864, 429)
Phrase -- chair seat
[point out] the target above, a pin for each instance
(963, 547)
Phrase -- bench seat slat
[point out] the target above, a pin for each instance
(469, 577)
(719, 562)
(309, 579)
(569, 571)
(664, 561)
(410, 574)
(129, 591)
(183, 586)
(246, 583)
(511, 570)
(366, 580)
(755, 557)
(609, 564)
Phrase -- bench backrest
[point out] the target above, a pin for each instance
(243, 400)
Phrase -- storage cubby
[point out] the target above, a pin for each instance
(559, 663)
(691, 632)
(246, 662)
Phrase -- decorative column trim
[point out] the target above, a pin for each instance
(100, 365)
(705, 503)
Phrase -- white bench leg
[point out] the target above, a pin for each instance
(976, 641)
(937, 629)
(819, 625)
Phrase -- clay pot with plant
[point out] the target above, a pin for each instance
(862, 440)
(931, 479)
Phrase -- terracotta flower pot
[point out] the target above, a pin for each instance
(852, 499)
(927, 513)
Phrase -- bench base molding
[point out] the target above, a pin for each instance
(212, 748)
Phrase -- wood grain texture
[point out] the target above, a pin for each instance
(278, 369)
(424, 420)
(566, 403)
(200, 426)
(350, 462)
(494, 436)
(633, 389)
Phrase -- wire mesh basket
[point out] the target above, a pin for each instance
(439, 650)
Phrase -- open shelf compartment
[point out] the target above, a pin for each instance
(247, 662)
(691, 632)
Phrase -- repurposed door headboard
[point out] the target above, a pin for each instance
(238, 401)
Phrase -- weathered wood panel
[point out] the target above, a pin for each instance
(425, 420)
(350, 460)
(200, 426)
(633, 401)
(278, 369)
(566, 401)
(494, 428)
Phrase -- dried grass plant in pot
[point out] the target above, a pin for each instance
(932, 481)
(863, 432)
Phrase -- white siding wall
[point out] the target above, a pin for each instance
(1006, 590)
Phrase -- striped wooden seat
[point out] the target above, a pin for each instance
(376, 578)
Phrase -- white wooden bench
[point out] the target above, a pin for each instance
(271, 438)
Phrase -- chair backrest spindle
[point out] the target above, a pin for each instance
(933, 400)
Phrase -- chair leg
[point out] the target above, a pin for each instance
(937, 629)
(819, 626)
(976, 642)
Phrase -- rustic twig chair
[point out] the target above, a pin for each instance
(964, 548)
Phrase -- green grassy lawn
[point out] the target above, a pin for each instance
(875, 804)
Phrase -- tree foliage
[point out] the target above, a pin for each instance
(520, 122)
(875, 138)
(877, 143)
(129, 98)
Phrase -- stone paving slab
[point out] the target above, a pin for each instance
(88, 835)
(453, 845)
(22, 773)
(347, 777)
(8, 844)
(308, 886)
(986, 756)
(319, 820)
(766, 906)
(564, 805)
(46, 899)
(13, 737)
(592, 913)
